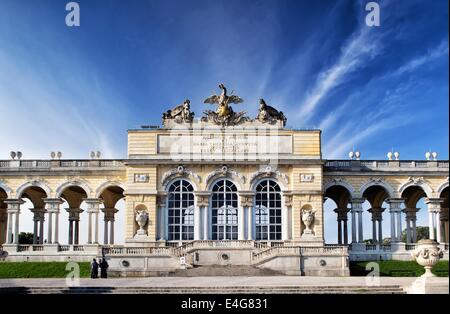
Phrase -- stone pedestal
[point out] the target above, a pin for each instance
(429, 285)
(51, 248)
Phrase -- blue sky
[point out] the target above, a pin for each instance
(78, 89)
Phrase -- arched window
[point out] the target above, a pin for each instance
(268, 211)
(224, 204)
(180, 211)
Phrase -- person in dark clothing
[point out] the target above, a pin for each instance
(103, 268)
(94, 269)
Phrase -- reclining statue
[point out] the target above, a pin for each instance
(180, 114)
(268, 114)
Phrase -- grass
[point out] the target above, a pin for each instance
(398, 269)
(40, 269)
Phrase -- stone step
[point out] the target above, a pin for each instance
(392, 289)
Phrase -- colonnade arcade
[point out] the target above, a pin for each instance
(47, 209)
(224, 212)
(400, 211)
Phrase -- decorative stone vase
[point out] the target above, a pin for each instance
(427, 254)
(141, 219)
(307, 218)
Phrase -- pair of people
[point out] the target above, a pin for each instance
(103, 264)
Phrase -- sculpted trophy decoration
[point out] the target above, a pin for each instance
(268, 114)
(224, 114)
(307, 218)
(180, 114)
(141, 219)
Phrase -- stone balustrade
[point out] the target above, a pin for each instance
(361, 165)
(11, 165)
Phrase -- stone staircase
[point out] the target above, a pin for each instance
(385, 289)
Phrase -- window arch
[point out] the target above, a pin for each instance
(268, 210)
(224, 207)
(180, 210)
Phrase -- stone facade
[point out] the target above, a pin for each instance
(203, 156)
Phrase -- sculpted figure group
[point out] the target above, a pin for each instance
(224, 114)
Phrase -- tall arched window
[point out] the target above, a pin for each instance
(224, 205)
(268, 210)
(180, 211)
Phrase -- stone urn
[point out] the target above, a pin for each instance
(427, 254)
(141, 219)
(307, 218)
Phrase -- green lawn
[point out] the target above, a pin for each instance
(398, 269)
(40, 269)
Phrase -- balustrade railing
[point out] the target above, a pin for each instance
(410, 247)
(377, 164)
(47, 164)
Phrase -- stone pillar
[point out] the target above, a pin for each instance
(380, 232)
(395, 210)
(109, 218)
(345, 232)
(111, 233)
(408, 231)
(74, 226)
(438, 227)
(285, 216)
(444, 224)
(434, 208)
(38, 216)
(13, 210)
(197, 223)
(9, 229)
(93, 209)
(246, 201)
(70, 240)
(353, 226)
(410, 218)
(356, 205)
(161, 203)
(339, 231)
(52, 205)
(202, 201)
(41, 229)
(374, 231)
(414, 231)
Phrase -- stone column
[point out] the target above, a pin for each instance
(380, 232)
(161, 203)
(13, 209)
(356, 204)
(111, 233)
(434, 207)
(93, 209)
(374, 231)
(339, 231)
(74, 226)
(285, 216)
(341, 216)
(414, 230)
(38, 214)
(109, 218)
(410, 217)
(202, 201)
(52, 205)
(438, 227)
(41, 229)
(246, 201)
(9, 228)
(444, 224)
(345, 232)
(395, 209)
(353, 226)
(70, 240)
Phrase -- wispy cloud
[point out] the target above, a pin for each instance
(360, 47)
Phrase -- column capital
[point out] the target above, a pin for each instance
(377, 213)
(341, 213)
(288, 198)
(39, 213)
(109, 213)
(93, 204)
(434, 204)
(202, 198)
(74, 213)
(53, 204)
(356, 204)
(410, 213)
(395, 204)
(13, 204)
(161, 198)
(246, 198)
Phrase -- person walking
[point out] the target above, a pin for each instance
(103, 268)
(94, 269)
